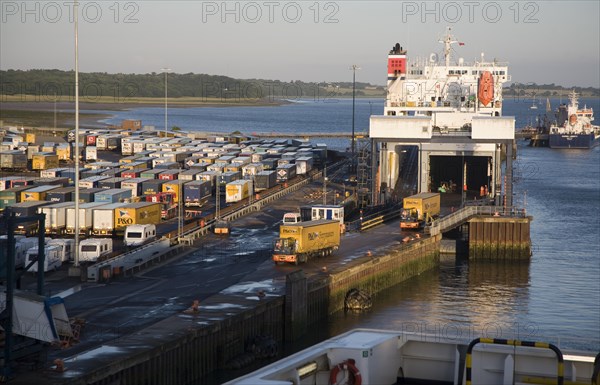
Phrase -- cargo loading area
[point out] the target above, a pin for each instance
(450, 171)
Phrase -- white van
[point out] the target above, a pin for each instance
(92, 249)
(51, 258)
(136, 235)
(66, 248)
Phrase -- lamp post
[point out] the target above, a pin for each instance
(76, 157)
(166, 71)
(353, 68)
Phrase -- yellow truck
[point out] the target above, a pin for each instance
(419, 209)
(141, 213)
(300, 241)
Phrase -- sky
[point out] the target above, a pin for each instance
(313, 41)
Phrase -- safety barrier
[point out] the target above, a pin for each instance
(130, 261)
(463, 215)
(500, 341)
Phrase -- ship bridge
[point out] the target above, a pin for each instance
(463, 159)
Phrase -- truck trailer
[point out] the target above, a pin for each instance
(298, 242)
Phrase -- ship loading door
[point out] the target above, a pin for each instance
(451, 171)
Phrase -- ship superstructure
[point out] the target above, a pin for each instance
(574, 128)
(451, 91)
(443, 117)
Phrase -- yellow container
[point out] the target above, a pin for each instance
(141, 213)
(175, 186)
(30, 138)
(44, 161)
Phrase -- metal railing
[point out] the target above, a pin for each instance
(461, 216)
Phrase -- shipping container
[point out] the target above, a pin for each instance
(5, 182)
(265, 180)
(85, 218)
(252, 169)
(112, 195)
(135, 185)
(304, 165)
(286, 172)
(44, 161)
(23, 181)
(156, 163)
(130, 174)
(176, 187)
(31, 150)
(197, 192)
(152, 186)
(25, 209)
(103, 219)
(139, 213)
(111, 183)
(238, 190)
(56, 217)
(200, 166)
(11, 196)
(92, 182)
(169, 174)
(228, 177)
(37, 193)
(91, 153)
(269, 163)
(188, 175)
(90, 173)
(13, 160)
(215, 167)
(62, 194)
(58, 181)
(112, 172)
(152, 174)
(133, 166)
(87, 195)
(210, 176)
(53, 172)
(63, 152)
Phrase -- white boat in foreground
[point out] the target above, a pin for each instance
(369, 357)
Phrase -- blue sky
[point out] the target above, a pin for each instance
(543, 41)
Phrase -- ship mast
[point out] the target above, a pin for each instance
(447, 40)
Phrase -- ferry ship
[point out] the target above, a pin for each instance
(574, 127)
(448, 110)
(381, 357)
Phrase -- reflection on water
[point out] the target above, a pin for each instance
(457, 300)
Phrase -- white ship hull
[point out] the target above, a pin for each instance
(388, 357)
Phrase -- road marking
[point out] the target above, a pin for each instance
(216, 279)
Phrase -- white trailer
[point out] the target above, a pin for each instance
(103, 221)
(56, 217)
(85, 217)
(52, 258)
(92, 249)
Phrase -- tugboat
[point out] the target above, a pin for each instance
(574, 127)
